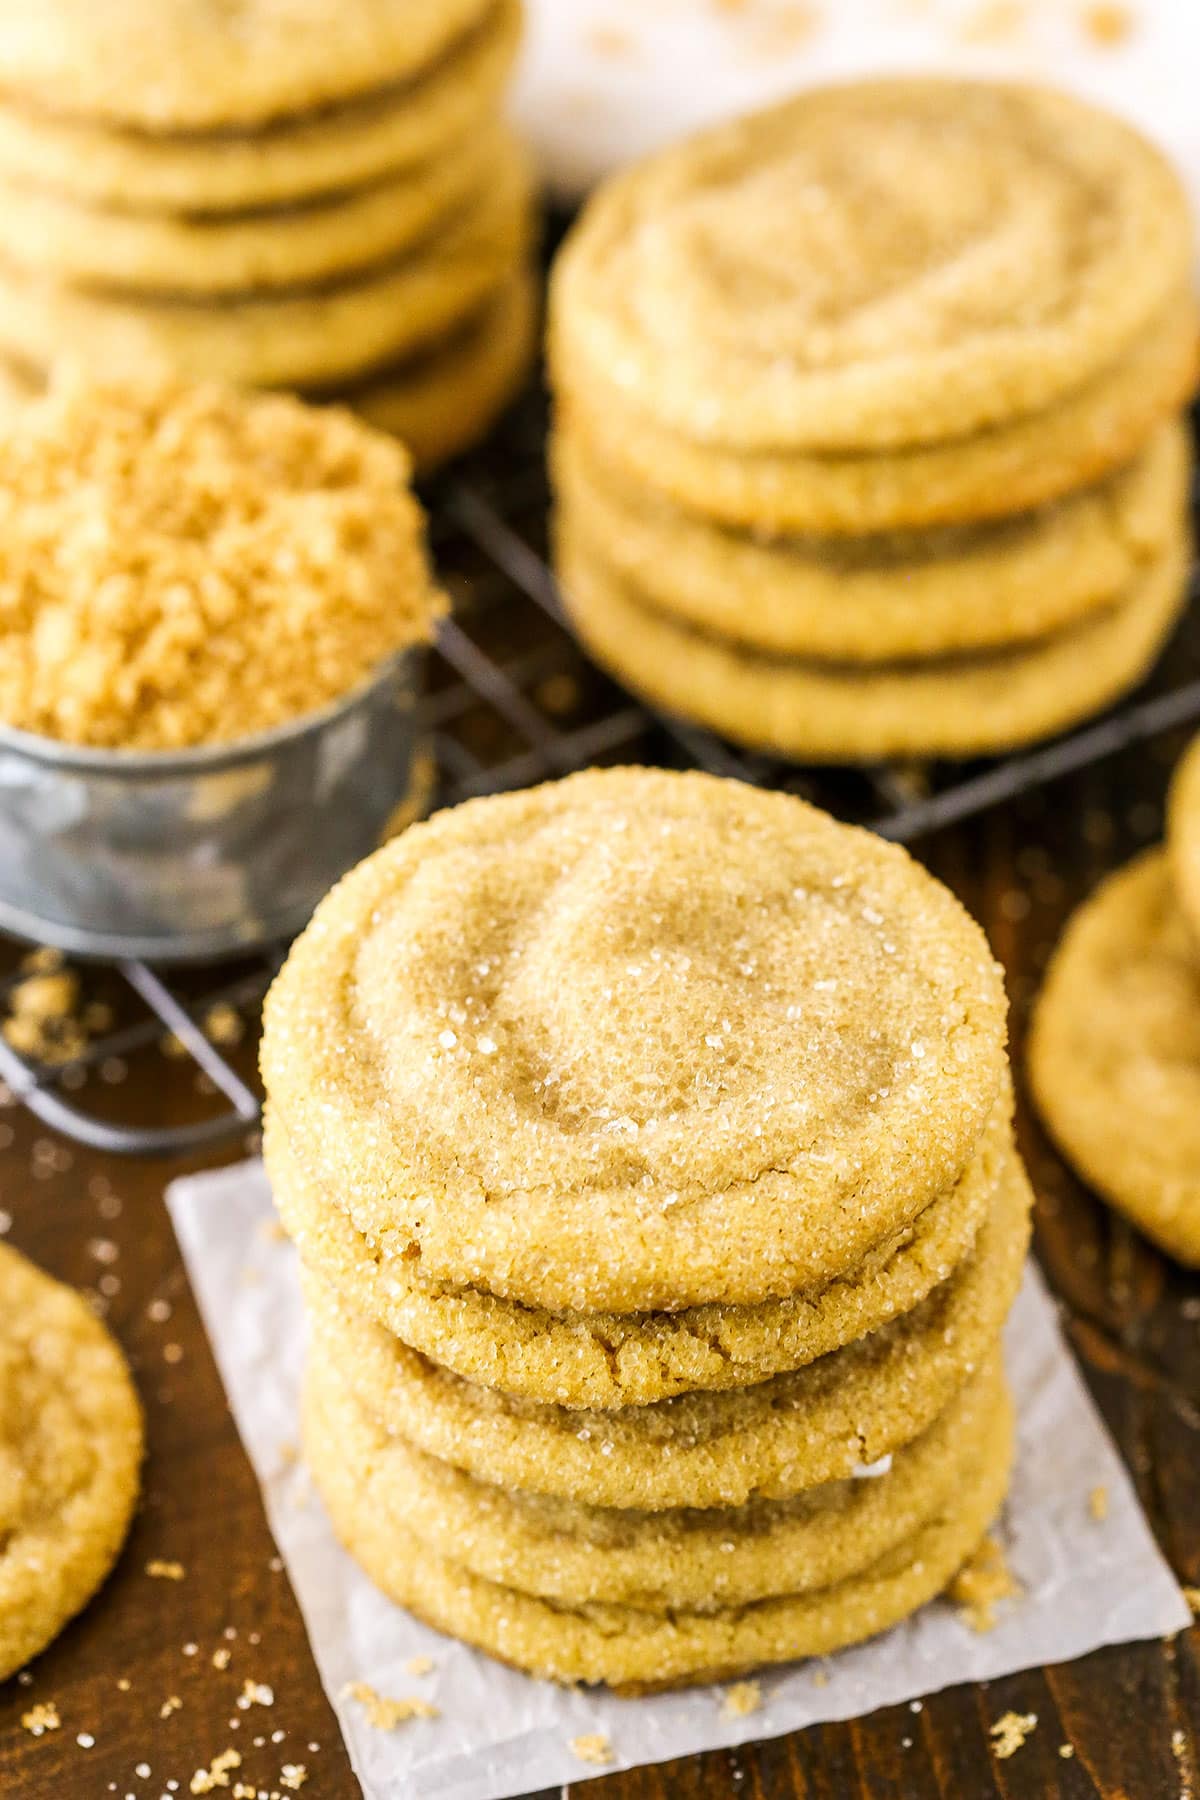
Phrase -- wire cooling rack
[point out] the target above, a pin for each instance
(512, 700)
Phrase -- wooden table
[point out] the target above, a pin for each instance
(1132, 1714)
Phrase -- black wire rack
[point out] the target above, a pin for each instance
(512, 700)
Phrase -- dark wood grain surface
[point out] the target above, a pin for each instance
(1131, 1714)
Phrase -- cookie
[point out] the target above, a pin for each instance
(210, 254)
(698, 1560)
(192, 66)
(888, 263)
(1036, 458)
(70, 1454)
(1114, 1053)
(305, 337)
(637, 1650)
(448, 397)
(821, 712)
(1183, 836)
(769, 1441)
(652, 1040)
(607, 1360)
(323, 152)
(883, 597)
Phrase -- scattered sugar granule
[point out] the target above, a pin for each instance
(740, 1700)
(41, 1718)
(593, 1747)
(293, 1776)
(980, 1584)
(222, 1656)
(1066, 1751)
(1098, 1503)
(207, 1781)
(1009, 1733)
(161, 1570)
(86, 1741)
(170, 1705)
(385, 1714)
(255, 1693)
(419, 1665)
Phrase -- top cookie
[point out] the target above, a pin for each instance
(200, 65)
(1183, 836)
(635, 1040)
(889, 263)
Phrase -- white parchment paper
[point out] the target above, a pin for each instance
(1086, 1581)
(604, 81)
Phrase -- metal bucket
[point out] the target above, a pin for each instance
(180, 856)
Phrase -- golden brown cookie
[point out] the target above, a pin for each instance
(698, 1560)
(323, 151)
(1114, 1053)
(307, 337)
(195, 66)
(1183, 836)
(606, 1360)
(313, 241)
(635, 1650)
(446, 399)
(769, 1441)
(635, 1040)
(881, 597)
(1035, 458)
(70, 1453)
(881, 264)
(823, 712)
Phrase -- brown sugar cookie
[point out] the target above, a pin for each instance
(1114, 1053)
(769, 1441)
(607, 1360)
(70, 1453)
(885, 263)
(652, 1040)
(639, 1650)
(825, 712)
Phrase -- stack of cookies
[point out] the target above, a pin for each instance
(647, 1141)
(317, 196)
(1114, 1053)
(866, 438)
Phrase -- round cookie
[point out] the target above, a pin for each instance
(638, 1651)
(651, 1039)
(1008, 469)
(296, 158)
(698, 1560)
(880, 598)
(306, 337)
(1183, 836)
(192, 66)
(1114, 1054)
(447, 398)
(770, 1441)
(70, 1452)
(607, 1360)
(195, 255)
(821, 712)
(886, 263)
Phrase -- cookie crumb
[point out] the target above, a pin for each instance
(171, 1704)
(419, 1665)
(222, 1656)
(160, 1570)
(1066, 1751)
(293, 1776)
(1010, 1732)
(593, 1747)
(740, 1700)
(1192, 1596)
(980, 1584)
(384, 1713)
(41, 1718)
(255, 1693)
(1098, 1504)
(207, 1781)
